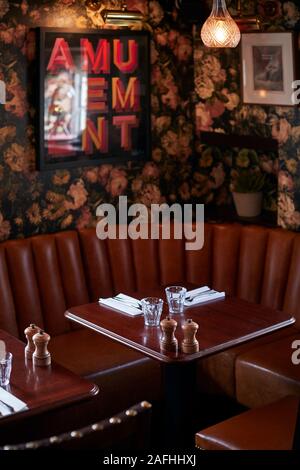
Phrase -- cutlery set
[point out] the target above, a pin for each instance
(138, 304)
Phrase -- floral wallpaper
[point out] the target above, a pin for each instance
(219, 108)
(33, 202)
(193, 89)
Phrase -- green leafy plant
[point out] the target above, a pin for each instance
(248, 182)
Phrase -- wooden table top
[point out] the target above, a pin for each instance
(42, 388)
(222, 324)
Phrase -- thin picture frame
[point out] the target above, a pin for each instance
(83, 106)
(269, 67)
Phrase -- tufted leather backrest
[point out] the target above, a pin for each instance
(40, 277)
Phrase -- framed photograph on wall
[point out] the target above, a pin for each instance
(94, 97)
(268, 68)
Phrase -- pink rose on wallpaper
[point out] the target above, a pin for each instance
(216, 108)
(184, 49)
(288, 217)
(136, 185)
(156, 154)
(103, 174)
(150, 170)
(78, 193)
(172, 38)
(35, 15)
(24, 7)
(171, 98)
(20, 34)
(17, 105)
(150, 194)
(11, 35)
(203, 118)
(266, 164)
(169, 142)
(281, 130)
(67, 221)
(7, 133)
(15, 158)
(67, 2)
(61, 177)
(140, 5)
(156, 12)
(285, 181)
(161, 37)
(4, 228)
(184, 191)
(34, 214)
(117, 182)
(85, 218)
(161, 123)
(91, 175)
(6, 34)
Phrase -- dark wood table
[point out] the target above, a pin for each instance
(222, 324)
(42, 388)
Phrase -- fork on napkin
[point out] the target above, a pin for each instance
(123, 303)
(9, 403)
(200, 295)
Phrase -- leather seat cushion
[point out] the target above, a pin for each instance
(271, 427)
(266, 373)
(216, 374)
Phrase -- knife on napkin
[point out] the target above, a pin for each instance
(125, 304)
(203, 294)
(9, 403)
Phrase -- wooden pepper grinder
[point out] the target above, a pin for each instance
(30, 331)
(168, 342)
(189, 344)
(41, 355)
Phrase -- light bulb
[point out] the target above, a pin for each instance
(220, 30)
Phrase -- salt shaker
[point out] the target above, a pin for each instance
(30, 331)
(168, 342)
(41, 355)
(189, 344)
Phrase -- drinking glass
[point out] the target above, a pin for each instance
(5, 369)
(175, 297)
(152, 310)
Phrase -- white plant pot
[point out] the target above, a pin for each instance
(248, 204)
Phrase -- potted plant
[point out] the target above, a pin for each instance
(246, 187)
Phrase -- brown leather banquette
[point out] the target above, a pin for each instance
(41, 276)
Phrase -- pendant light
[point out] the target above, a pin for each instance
(220, 30)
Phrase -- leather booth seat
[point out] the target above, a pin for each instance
(42, 276)
(271, 427)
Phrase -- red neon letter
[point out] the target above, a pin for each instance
(92, 64)
(97, 136)
(125, 123)
(61, 57)
(128, 100)
(132, 62)
(96, 94)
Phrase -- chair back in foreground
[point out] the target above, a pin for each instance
(127, 430)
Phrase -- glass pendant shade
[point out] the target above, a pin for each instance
(220, 30)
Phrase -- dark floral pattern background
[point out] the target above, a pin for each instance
(34, 202)
(219, 108)
(183, 104)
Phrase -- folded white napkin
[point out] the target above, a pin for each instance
(207, 294)
(127, 308)
(14, 403)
